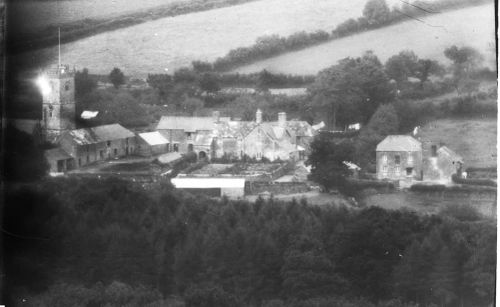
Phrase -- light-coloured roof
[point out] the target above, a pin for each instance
(89, 114)
(112, 132)
(203, 139)
(188, 123)
(399, 143)
(153, 138)
(207, 183)
(83, 136)
(56, 154)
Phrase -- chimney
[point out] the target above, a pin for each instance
(258, 116)
(216, 116)
(282, 119)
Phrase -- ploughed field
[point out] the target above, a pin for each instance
(474, 139)
(173, 42)
(471, 26)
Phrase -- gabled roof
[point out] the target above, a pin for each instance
(203, 139)
(443, 150)
(188, 123)
(399, 143)
(153, 138)
(56, 154)
(86, 136)
(112, 132)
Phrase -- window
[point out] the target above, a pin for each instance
(176, 147)
(101, 154)
(79, 162)
(384, 159)
(108, 143)
(88, 159)
(66, 86)
(397, 170)
(397, 159)
(168, 147)
(50, 112)
(409, 171)
(410, 159)
(189, 135)
(384, 170)
(115, 151)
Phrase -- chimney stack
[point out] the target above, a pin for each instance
(282, 119)
(258, 116)
(216, 116)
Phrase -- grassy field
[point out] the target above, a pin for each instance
(170, 43)
(43, 13)
(472, 26)
(474, 139)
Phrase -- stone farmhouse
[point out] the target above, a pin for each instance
(215, 137)
(403, 158)
(399, 157)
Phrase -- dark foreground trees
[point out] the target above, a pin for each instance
(109, 241)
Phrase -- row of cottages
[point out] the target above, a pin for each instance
(80, 147)
(403, 158)
(216, 136)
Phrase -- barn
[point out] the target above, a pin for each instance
(152, 144)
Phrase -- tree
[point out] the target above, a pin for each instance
(307, 272)
(116, 77)
(376, 12)
(326, 159)
(466, 61)
(383, 123)
(84, 84)
(443, 277)
(351, 90)
(191, 105)
(209, 82)
(426, 68)
(400, 67)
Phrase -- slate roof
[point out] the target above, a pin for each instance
(399, 143)
(153, 138)
(86, 136)
(112, 132)
(56, 154)
(188, 123)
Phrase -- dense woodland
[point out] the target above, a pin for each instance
(89, 242)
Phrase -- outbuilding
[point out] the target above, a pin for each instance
(151, 144)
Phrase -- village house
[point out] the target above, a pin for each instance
(399, 157)
(88, 145)
(216, 137)
(59, 161)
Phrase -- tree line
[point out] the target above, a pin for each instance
(91, 242)
(376, 14)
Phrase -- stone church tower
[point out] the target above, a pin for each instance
(58, 93)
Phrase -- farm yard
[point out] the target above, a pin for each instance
(173, 42)
(472, 26)
(473, 139)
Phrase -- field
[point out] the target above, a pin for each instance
(472, 26)
(170, 43)
(43, 13)
(474, 139)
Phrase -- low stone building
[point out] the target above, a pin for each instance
(151, 144)
(59, 161)
(399, 157)
(232, 187)
(88, 145)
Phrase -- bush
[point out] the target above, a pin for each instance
(481, 182)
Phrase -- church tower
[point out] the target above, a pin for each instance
(58, 93)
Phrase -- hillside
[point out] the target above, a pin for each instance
(176, 41)
(473, 26)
